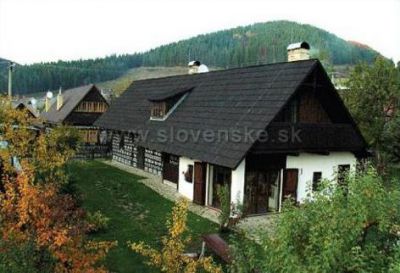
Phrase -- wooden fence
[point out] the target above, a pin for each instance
(93, 151)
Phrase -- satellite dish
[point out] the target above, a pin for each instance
(49, 94)
(203, 69)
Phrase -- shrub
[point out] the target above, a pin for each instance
(353, 229)
(41, 228)
(224, 199)
(24, 258)
(171, 258)
(97, 221)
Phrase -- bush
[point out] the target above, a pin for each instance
(41, 228)
(24, 258)
(353, 229)
(395, 265)
(172, 257)
(97, 221)
(224, 199)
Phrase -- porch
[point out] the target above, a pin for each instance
(258, 185)
(262, 182)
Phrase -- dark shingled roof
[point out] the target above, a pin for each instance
(169, 93)
(25, 103)
(227, 100)
(71, 99)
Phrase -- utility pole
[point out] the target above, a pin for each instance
(10, 70)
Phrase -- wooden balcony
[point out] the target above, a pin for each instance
(289, 137)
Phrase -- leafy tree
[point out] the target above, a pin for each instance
(342, 229)
(39, 214)
(46, 152)
(41, 230)
(374, 100)
(171, 258)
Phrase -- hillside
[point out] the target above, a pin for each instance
(3, 75)
(257, 43)
(120, 84)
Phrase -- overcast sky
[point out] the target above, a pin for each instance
(49, 30)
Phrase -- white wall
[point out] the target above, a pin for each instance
(237, 185)
(185, 188)
(310, 163)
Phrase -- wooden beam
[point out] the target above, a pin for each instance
(318, 152)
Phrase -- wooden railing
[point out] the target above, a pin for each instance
(302, 136)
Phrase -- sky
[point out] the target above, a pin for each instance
(50, 30)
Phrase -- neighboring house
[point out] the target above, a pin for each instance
(79, 107)
(24, 104)
(196, 132)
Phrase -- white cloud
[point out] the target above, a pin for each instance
(45, 30)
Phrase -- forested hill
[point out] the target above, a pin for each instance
(3, 65)
(49, 76)
(258, 43)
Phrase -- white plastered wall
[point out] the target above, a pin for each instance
(237, 185)
(308, 163)
(185, 188)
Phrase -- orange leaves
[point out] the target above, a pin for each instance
(53, 221)
(32, 209)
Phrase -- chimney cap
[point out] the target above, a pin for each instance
(303, 44)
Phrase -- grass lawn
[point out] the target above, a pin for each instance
(136, 212)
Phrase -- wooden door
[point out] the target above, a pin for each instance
(260, 191)
(290, 181)
(199, 191)
(140, 157)
(171, 168)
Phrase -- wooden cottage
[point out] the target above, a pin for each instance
(267, 131)
(26, 105)
(79, 107)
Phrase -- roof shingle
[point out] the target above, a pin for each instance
(234, 100)
(71, 99)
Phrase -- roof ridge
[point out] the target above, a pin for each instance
(225, 70)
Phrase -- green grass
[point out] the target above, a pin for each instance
(137, 213)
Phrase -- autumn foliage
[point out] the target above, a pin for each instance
(171, 258)
(52, 220)
(33, 211)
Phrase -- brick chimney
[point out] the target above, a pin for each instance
(49, 96)
(298, 51)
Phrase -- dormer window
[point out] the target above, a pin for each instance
(158, 109)
(164, 103)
